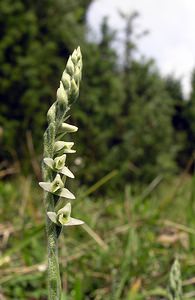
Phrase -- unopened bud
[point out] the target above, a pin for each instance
(74, 88)
(74, 56)
(79, 54)
(51, 113)
(70, 67)
(68, 128)
(66, 80)
(61, 94)
(77, 74)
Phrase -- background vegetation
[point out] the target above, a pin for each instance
(134, 161)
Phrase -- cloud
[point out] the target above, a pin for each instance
(171, 25)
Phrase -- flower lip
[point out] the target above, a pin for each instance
(63, 218)
(57, 184)
(59, 162)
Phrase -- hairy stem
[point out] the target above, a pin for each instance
(54, 281)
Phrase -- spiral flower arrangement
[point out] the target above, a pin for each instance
(56, 196)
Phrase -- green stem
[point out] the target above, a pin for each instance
(54, 281)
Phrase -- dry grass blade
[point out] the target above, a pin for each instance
(178, 226)
(95, 236)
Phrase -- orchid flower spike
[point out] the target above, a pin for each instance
(54, 167)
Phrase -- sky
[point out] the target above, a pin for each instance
(171, 25)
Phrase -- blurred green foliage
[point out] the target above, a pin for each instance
(123, 253)
(35, 39)
(129, 117)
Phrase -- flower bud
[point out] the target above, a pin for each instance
(51, 114)
(74, 57)
(61, 94)
(77, 74)
(74, 88)
(80, 65)
(68, 128)
(79, 54)
(66, 80)
(70, 67)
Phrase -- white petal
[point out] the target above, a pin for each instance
(49, 162)
(62, 157)
(58, 177)
(68, 151)
(65, 193)
(67, 172)
(68, 128)
(52, 216)
(69, 144)
(65, 209)
(59, 145)
(46, 186)
(73, 222)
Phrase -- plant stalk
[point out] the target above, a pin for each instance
(54, 280)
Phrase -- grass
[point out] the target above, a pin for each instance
(124, 252)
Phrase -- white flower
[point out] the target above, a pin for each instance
(57, 187)
(63, 217)
(58, 165)
(64, 147)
